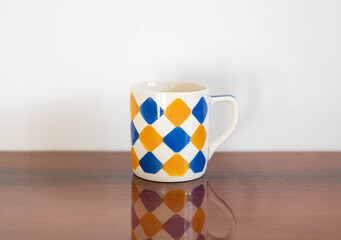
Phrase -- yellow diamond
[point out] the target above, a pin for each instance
(199, 137)
(175, 199)
(150, 138)
(134, 108)
(150, 224)
(177, 112)
(176, 166)
(134, 159)
(134, 193)
(198, 220)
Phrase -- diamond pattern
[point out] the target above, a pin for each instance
(189, 152)
(140, 123)
(175, 216)
(177, 139)
(134, 219)
(150, 138)
(189, 125)
(199, 137)
(176, 166)
(177, 112)
(172, 140)
(197, 196)
(175, 199)
(134, 159)
(161, 235)
(140, 209)
(150, 164)
(200, 110)
(163, 126)
(133, 132)
(176, 226)
(163, 212)
(141, 151)
(163, 153)
(134, 193)
(150, 224)
(150, 111)
(198, 220)
(150, 199)
(198, 163)
(139, 232)
(134, 107)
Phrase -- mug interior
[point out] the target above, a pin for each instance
(169, 86)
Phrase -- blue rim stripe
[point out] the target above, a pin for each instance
(227, 95)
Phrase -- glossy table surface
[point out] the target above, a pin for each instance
(93, 195)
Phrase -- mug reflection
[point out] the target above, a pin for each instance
(175, 210)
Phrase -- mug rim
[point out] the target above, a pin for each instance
(146, 86)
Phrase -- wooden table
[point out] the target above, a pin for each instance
(88, 195)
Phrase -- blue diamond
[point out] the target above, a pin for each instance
(150, 111)
(150, 164)
(200, 110)
(133, 133)
(177, 139)
(198, 162)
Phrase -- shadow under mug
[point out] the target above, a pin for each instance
(169, 129)
(178, 211)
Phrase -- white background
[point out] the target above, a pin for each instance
(65, 68)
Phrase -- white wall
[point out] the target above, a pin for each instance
(65, 68)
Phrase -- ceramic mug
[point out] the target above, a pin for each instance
(179, 211)
(169, 129)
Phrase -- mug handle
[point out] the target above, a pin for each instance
(212, 147)
(228, 213)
